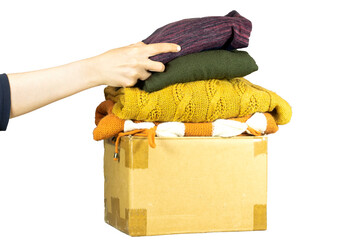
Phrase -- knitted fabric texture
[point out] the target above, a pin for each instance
(199, 101)
(198, 34)
(108, 125)
(206, 129)
(212, 64)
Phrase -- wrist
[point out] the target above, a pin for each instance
(90, 71)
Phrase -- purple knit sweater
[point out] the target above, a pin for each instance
(199, 34)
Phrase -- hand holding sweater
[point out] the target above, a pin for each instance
(120, 67)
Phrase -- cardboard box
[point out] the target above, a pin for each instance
(186, 185)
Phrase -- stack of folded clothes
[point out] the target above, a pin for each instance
(202, 91)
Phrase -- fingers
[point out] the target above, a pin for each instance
(133, 63)
(154, 66)
(157, 48)
(144, 75)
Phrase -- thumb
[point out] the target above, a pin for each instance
(137, 44)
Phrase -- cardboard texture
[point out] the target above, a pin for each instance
(186, 185)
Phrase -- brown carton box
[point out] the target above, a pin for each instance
(186, 185)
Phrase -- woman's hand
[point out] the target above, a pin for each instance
(120, 67)
(123, 67)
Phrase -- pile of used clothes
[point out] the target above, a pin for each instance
(202, 91)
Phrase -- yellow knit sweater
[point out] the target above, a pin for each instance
(199, 101)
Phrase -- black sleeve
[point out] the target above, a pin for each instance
(4, 101)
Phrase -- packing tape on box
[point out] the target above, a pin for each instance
(136, 152)
(135, 222)
(140, 153)
(260, 220)
(260, 146)
(113, 218)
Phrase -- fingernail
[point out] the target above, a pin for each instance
(178, 48)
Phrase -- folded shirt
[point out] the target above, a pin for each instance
(212, 64)
(198, 101)
(109, 125)
(229, 32)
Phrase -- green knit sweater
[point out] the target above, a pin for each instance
(212, 64)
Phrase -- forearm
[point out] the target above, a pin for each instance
(32, 90)
(120, 67)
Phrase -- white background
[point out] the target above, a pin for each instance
(51, 171)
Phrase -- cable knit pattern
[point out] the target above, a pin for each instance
(199, 101)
